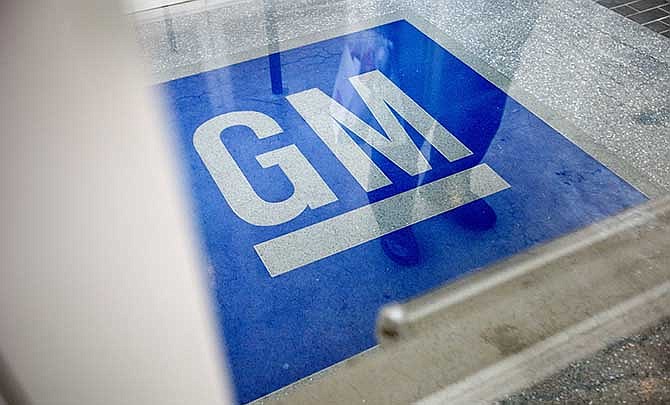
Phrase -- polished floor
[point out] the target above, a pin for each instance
(529, 72)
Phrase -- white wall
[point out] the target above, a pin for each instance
(101, 296)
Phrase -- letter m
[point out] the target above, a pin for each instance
(326, 117)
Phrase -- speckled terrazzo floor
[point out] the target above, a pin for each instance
(635, 370)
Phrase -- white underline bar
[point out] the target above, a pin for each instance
(326, 238)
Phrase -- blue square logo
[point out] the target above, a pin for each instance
(333, 178)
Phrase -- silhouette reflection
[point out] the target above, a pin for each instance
(371, 52)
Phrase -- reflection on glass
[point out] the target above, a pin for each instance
(341, 175)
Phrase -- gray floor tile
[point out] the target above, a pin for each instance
(643, 5)
(625, 10)
(657, 26)
(647, 16)
(613, 3)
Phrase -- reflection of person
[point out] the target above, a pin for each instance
(373, 52)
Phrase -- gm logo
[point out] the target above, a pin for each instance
(328, 118)
(386, 168)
